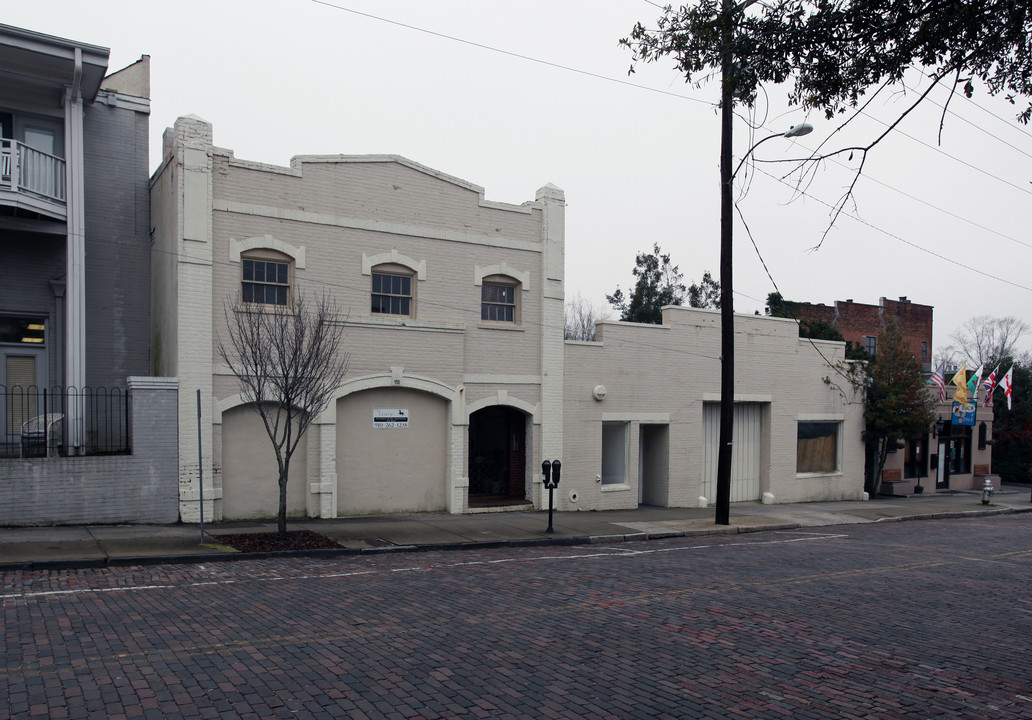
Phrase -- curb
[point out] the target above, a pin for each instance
(149, 560)
(956, 514)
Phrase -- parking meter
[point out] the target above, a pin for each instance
(550, 478)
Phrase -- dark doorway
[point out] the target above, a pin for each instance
(497, 456)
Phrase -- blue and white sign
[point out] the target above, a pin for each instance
(390, 418)
(964, 413)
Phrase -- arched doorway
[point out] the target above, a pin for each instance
(497, 456)
(384, 467)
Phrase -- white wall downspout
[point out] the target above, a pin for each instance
(75, 315)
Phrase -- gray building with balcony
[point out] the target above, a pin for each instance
(74, 225)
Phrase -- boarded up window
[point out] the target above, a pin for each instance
(817, 447)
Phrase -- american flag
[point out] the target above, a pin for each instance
(939, 378)
(990, 384)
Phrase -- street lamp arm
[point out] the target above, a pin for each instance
(794, 131)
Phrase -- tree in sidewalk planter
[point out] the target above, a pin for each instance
(289, 360)
(660, 283)
(897, 402)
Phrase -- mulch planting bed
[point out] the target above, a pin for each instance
(272, 542)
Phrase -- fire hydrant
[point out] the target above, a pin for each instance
(987, 491)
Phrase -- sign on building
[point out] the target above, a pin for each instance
(964, 413)
(387, 418)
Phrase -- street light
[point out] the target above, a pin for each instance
(727, 313)
(794, 131)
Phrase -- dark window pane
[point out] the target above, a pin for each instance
(377, 281)
(281, 273)
(259, 272)
(404, 306)
(281, 296)
(248, 292)
(248, 269)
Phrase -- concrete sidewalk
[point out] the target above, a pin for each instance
(38, 548)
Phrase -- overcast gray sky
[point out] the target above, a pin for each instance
(945, 225)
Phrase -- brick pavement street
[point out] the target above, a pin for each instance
(810, 624)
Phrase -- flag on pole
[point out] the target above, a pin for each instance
(990, 384)
(1005, 382)
(972, 384)
(960, 380)
(939, 378)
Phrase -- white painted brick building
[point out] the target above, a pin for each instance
(454, 315)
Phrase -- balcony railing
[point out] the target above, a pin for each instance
(39, 422)
(27, 170)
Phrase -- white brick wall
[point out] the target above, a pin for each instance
(336, 212)
(673, 369)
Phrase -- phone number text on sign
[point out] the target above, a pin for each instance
(390, 418)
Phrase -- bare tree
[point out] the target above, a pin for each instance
(289, 361)
(579, 318)
(986, 339)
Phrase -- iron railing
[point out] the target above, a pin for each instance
(51, 422)
(25, 169)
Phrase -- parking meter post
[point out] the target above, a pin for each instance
(550, 477)
(551, 490)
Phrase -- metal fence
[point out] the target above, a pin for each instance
(51, 422)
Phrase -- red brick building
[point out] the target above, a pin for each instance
(859, 323)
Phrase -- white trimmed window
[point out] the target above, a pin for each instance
(614, 452)
(817, 447)
(393, 291)
(499, 300)
(265, 277)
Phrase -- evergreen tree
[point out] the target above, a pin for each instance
(659, 282)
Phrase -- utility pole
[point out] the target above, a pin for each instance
(727, 310)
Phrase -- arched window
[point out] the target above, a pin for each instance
(500, 299)
(393, 290)
(266, 277)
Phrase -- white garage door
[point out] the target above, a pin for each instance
(745, 451)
